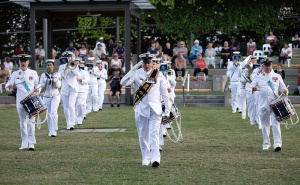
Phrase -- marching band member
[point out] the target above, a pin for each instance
(148, 109)
(242, 93)
(26, 81)
(83, 80)
(269, 85)
(51, 82)
(233, 74)
(101, 83)
(92, 100)
(69, 88)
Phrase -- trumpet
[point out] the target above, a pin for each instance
(170, 72)
(72, 65)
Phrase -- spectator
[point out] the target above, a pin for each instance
(120, 50)
(218, 49)
(180, 65)
(71, 47)
(251, 46)
(111, 47)
(183, 49)
(102, 44)
(234, 45)
(115, 88)
(91, 54)
(99, 51)
(200, 66)
(280, 71)
(83, 51)
(286, 53)
(8, 64)
(20, 50)
(159, 48)
(196, 49)
(168, 52)
(299, 80)
(153, 50)
(54, 54)
(210, 54)
(272, 40)
(296, 41)
(226, 54)
(115, 62)
(4, 74)
(40, 54)
(175, 52)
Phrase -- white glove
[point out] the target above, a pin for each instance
(166, 113)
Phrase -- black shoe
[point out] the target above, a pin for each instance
(84, 117)
(53, 135)
(72, 128)
(31, 149)
(155, 164)
(164, 135)
(277, 149)
(118, 105)
(100, 109)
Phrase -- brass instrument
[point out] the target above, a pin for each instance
(249, 66)
(72, 65)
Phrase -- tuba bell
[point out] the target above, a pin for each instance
(72, 65)
(247, 64)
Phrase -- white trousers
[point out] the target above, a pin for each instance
(148, 133)
(81, 106)
(69, 102)
(27, 127)
(101, 90)
(267, 117)
(251, 108)
(234, 88)
(52, 116)
(92, 98)
(243, 102)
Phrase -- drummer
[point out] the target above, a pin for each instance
(26, 81)
(51, 82)
(269, 86)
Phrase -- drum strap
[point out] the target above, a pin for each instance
(145, 87)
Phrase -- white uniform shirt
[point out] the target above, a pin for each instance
(102, 43)
(69, 79)
(153, 97)
(233, 72)
(30, 77)
(52, 83)
(102, 76)
(94, 74)
(84, 84)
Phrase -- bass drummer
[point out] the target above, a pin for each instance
(26, 81)
(269, 86)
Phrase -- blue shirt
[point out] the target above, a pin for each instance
(153, 51)
(195, 53)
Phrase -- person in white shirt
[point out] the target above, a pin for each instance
(40, 54)
(26, 81)
(148, 108)
(233, 73)
(83, 90)
(269, 85)
(101, 83)
(92, 100)
(102, 43)
(51, 83)
(69, 88)
(286, 52)
(8, 64)
(99, 51)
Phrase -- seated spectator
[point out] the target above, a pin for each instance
(54, 54)
(120, 50)
(200, 66)
(111, 48)
(168, 52)
(286, 52)
(115, 87)
(99, 51)
(196, 49)
(71, 47)
(218, 49)
(251, 46)
(40, 54)
(299, 79)
(159, 48)
(8, 64)
(180, 65)
(83, 51)
(296, 41)
(91, 54)
(175, 52)
(272, 40)
(280, 71)
(115, 63)
(100, 41)
(226, 54)
(19, 50)
(183, 49)
(210, 54)
(153, 50)
(4, 74)
(234, 46)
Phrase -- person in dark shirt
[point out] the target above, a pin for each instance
(120, 50)
(115, 87)
(280, 71)
(226, 54)
(168, 52)
(153, 50)
(111, 47)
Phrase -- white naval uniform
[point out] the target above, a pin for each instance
(83, 91)
(148, 114)
(69, 93)
(51, 84)
(266, 95)
(242, 94)
(101, 87)
(256, 99)
(27, 126)
(233, 74)
(92, 100)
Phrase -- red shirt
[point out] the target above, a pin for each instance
(200, 63)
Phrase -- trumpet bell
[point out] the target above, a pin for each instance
(72, 65)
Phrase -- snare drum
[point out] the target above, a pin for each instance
(174, 113)
(33, 104)
(282, 108)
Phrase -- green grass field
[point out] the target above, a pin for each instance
(218, 148)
